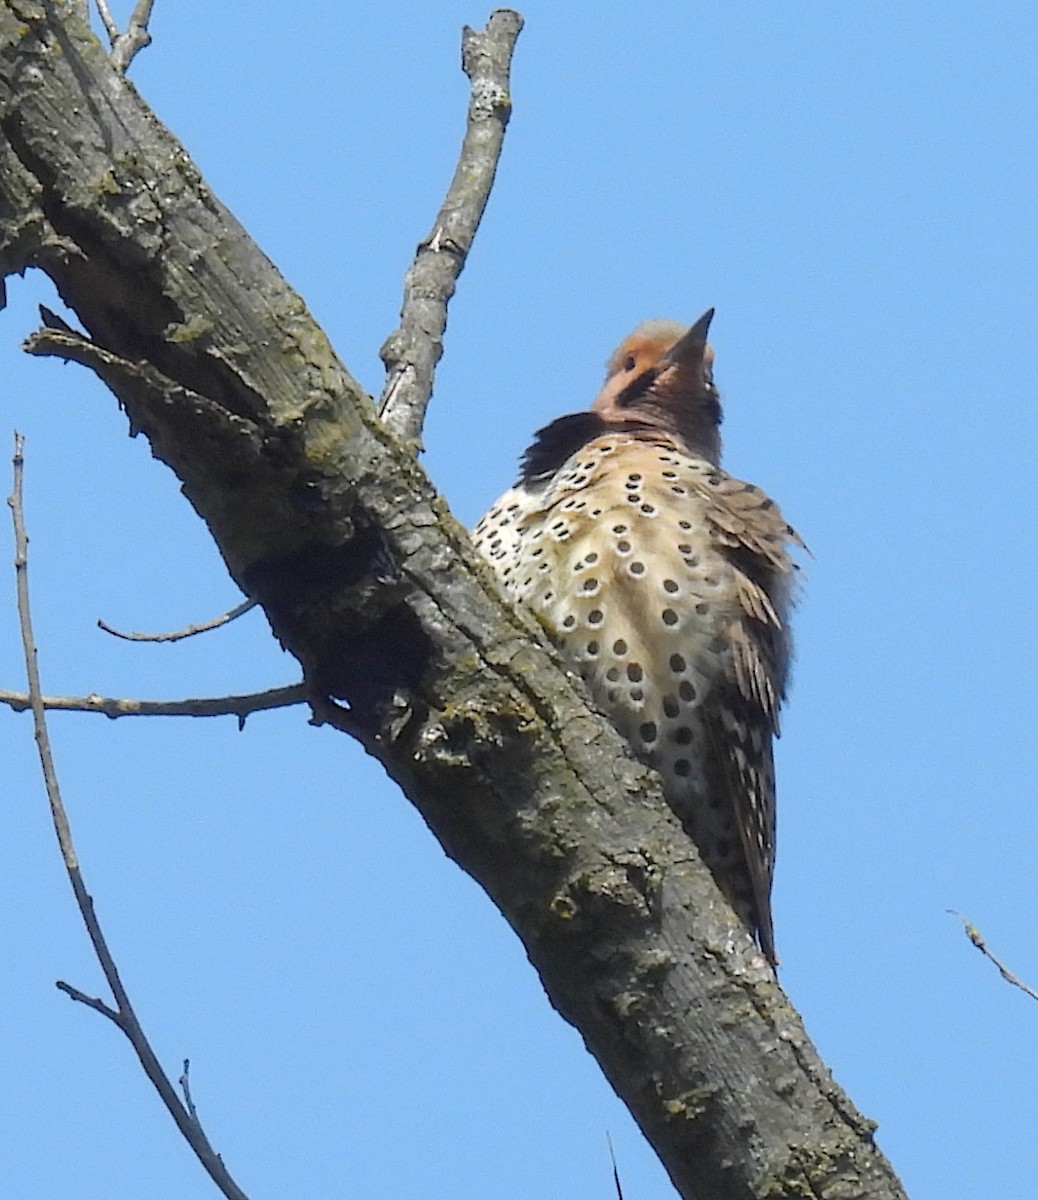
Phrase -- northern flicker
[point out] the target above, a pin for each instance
(666, 583)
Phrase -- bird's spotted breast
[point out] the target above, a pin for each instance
(613, 558)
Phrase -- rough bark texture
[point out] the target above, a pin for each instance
(330, 523)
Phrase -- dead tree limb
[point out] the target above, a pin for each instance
(201, 706)
(178, 635)
(975, 936)
(325, 518)
(122, 1014)
(411, 351)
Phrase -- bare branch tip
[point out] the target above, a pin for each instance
(94, 1002)
(177, 635)
(975, 936)
(616, 1173)
(510, 18)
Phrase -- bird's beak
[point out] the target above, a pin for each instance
(688, 350)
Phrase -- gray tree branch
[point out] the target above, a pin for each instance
(202, 706)
(178, 635)
(324, 517)
(411, 351)
(126, 44)
(122, 1015)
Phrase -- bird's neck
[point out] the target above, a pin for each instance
(556, 443)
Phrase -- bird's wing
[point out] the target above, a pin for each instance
(750, 531)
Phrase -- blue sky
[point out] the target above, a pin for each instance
(853, 187)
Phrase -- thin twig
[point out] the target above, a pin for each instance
(616, 1173)
(974, 935)
(109, 22)
(203, 706)
(94, 1002)
(126, 45)
(411, 352)
(178, 634)
(122, 1014)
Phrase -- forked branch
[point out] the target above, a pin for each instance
(122, 1013)
(411, 352)
(126, 43)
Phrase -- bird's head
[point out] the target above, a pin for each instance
(660, 377)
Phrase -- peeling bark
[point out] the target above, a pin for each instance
(329, 522)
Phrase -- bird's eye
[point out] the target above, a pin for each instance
(629, 362)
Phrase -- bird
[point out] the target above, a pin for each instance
(666, 584)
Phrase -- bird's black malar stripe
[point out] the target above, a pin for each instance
(637, 387)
